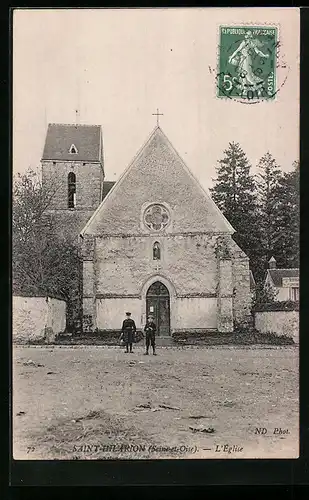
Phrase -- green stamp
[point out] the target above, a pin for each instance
(247, 63)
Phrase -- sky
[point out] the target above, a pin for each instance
(117, 66)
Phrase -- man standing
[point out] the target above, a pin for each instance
(128, 331)
(150, 330)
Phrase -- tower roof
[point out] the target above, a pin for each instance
(73, 142)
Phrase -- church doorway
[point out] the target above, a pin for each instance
(158, 305)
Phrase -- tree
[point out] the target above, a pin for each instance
(264, 294)
(42, 262)
(235, 194)
(279, 212)
(267, 182)
(286, 240)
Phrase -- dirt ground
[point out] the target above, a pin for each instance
(95, 402)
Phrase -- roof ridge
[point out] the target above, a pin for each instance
(74, 124)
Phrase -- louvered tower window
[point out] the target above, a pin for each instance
(71, 190)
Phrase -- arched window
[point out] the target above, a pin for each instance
(71, 190)
(156, 251)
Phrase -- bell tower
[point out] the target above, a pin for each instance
(73, 174)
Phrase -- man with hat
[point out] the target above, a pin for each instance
(128, 331)
(150, 330)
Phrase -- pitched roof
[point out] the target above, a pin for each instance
(107, 186)
(162, 177)
(277, 275)
(87, 139)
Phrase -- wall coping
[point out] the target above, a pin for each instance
(278, 311)
(39, 297)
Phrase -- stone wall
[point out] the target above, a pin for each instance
(185, 313)
(89, 183)
(207, 291)
(279, 322)
(89, 189)
(225, 294)
(195, 314)
(242, 295)
(69, 223)
(38, 318)
(110, 313)
(123, 264)
(158, 175)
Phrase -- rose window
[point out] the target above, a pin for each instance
(156, 217)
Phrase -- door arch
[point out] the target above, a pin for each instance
(158, 305)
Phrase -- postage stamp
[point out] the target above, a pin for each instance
(247, 62)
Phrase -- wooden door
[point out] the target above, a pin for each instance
(158, 305)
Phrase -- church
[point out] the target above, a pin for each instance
(154, 242)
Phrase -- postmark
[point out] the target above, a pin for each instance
(247, 63)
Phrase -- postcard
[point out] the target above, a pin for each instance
(155, 254)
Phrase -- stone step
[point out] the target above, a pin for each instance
(163, 341)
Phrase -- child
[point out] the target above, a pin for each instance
(150, 330)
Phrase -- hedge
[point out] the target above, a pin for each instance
(286, 305)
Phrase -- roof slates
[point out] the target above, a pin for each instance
(278, 274)
(60, 137)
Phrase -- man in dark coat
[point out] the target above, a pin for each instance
(150, 330)
(128, 331)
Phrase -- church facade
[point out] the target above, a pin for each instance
(153, 242)
(158, 244)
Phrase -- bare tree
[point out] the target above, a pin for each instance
(43, 263)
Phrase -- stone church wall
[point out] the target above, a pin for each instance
(242, 295)
(110, 312)
(69, 223)
(124, 263)
(186, 313)
(89, 183)
(196, 313)
(210, 290)
(157, 175)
